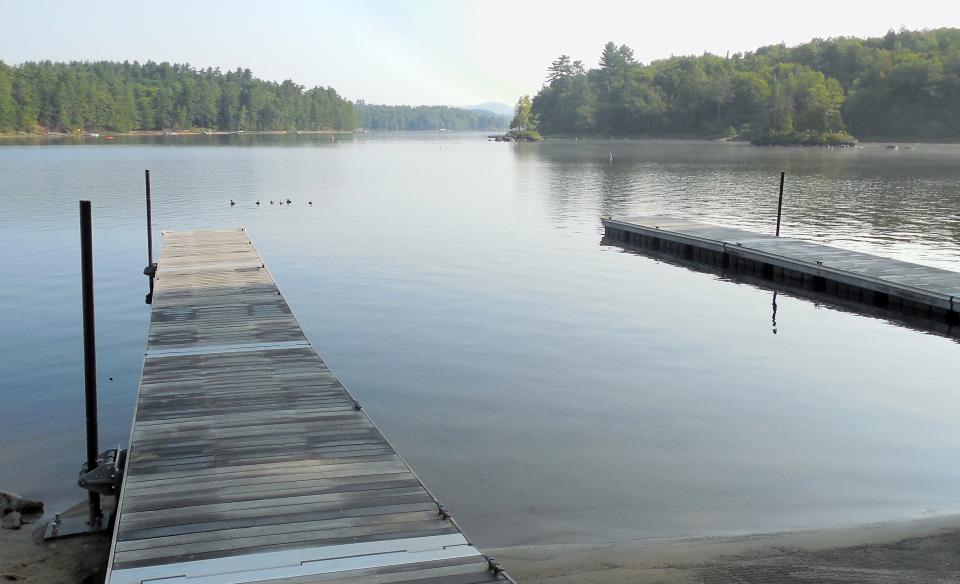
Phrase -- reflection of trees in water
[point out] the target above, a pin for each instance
(577, 185)
(871, 200)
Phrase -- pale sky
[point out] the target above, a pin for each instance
(429, 52)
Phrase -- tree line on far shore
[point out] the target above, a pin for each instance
(127, 96)
(904, 85)
(121, 97)
(427, 117)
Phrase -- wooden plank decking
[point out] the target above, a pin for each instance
(249, 461)
(888, 279)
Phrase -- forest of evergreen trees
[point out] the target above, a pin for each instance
(120, 97)
(903, 86)
(427, 117)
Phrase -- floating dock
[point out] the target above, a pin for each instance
(911, 288)
(250, 462)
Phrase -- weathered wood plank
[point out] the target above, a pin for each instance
(273, 529)
(245, 522)
(153, 556)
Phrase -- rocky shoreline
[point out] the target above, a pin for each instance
(16, 511)
(25, 558)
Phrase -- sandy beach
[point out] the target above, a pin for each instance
(926, 550)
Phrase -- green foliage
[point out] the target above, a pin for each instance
(8, 107)
(523, 116)
(128, 96)
(905, 85)
(563, 68)
(426, 117)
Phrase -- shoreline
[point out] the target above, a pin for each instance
(25, 558)
(103, 134)
(162, 133)
(891, 552)
(921, 550)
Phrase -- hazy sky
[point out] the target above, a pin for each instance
(429, 52)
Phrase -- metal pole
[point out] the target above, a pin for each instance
(146, 174)
(89, 351)
(151, 269)
(780, 202)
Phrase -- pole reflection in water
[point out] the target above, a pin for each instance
(773, 318)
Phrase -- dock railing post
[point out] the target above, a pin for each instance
(780, 202)
(89, 352)
(146, 174)
(151, 269)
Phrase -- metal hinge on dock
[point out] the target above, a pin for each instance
(107, 477)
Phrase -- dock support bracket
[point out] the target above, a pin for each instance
(105, 478)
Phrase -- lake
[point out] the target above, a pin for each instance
(546, 387)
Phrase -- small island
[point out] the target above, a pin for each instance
(523, 126)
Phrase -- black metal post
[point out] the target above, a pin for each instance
(146, 174)
(780, 203)
(89, 351)
(151, 269)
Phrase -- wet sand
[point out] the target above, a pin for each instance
(922, 551)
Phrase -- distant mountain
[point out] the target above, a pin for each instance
(501, 109)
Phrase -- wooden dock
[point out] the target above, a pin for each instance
(249, 461)
(913, 288)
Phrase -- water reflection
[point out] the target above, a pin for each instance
(773, 317)
(815, 297)
(896, 204)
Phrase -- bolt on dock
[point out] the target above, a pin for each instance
(915, 289)
(249, 461)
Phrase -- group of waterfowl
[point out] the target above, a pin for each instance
(288, 201)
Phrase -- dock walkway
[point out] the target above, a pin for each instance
(886, 282)
(249, 461)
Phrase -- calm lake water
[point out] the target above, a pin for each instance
(548, 388)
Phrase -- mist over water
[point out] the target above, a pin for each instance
(546, 387)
